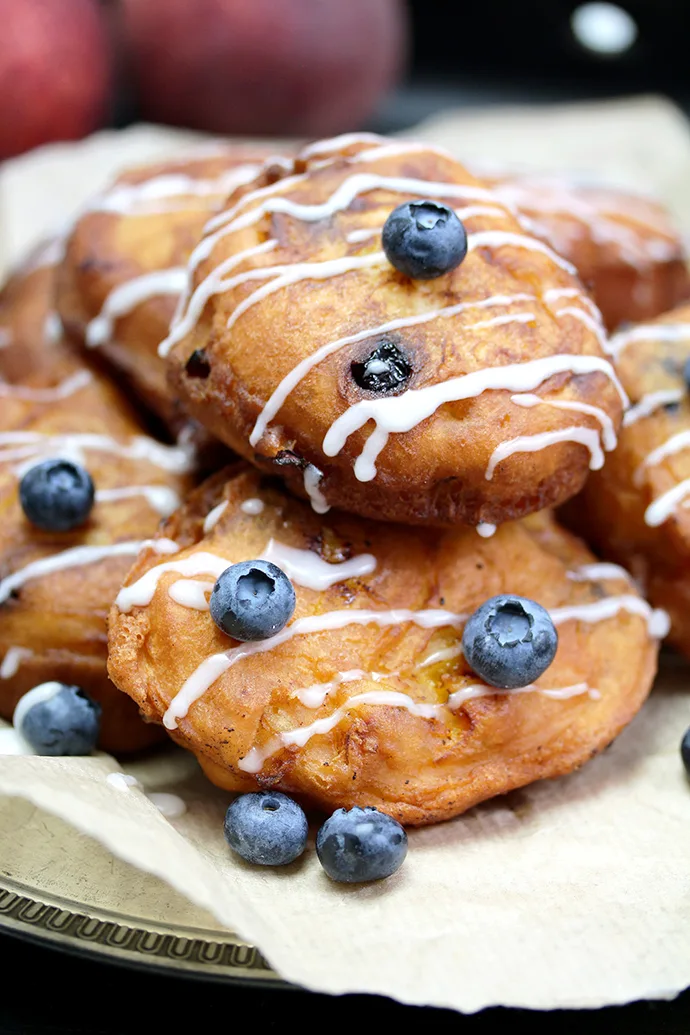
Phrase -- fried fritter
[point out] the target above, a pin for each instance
(364, 698)
(124, 265)
(635, 510)
(625, 248)
(53, 622)
(295, 307)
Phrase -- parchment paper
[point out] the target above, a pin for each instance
(573, 892)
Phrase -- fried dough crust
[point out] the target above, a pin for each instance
(53, 627)
(435, 472)
(127, 236)
(625, 248)
(634, 510)
(418, 769)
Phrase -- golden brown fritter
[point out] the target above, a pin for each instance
(635, 510)
(126, 255)
(294, 299)
(53, 625)
(625, 248)
(357, 713)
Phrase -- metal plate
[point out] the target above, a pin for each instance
(129, 940)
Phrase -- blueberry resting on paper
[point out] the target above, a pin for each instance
(56, 495)
(252, 600)
(266, 828)
(57, 719)
(509, 641)
(361, 844)
(424, 239)
(685, 750)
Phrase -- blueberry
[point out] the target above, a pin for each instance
(57, 719)
(685, 750)
(358, 845)
(424, 239)
(509, 641)
(686, 372)
(252, 600)
(384, 370)
(56, 495)
(198, 365)
(266, 828)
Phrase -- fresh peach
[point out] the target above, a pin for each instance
(55, 72)
(263, 66)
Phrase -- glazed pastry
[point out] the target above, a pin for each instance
(124, 265)
(624, 246)
(56, 587)
(636, 510)
(475, 397)
(364, 697)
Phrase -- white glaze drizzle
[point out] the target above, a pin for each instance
(485, 529)
(214, 516)
(37, 695)
(675, 444)
(357, 236)
(160, 498)
(312, 486)
(587, 437)
(609, 607)
(307, 569)
(340, 143)
(254, 760)
(190, 309)
(170, 805)
(299, 372)
(444, 654)
(401, 413)
(650, 403)
(12, 661)
(252, 507)
(661, 509)
(140, 593)
(608, 431)
(191, 593)
(553, 294)
(76, 557)
(649, 332)
(285, 275)
(126, 297)
(595, 572)
(214, 666)
(5, 337)
(314, 696)
(169, 192)
(52, 328)
(70, 386)
(20, 445)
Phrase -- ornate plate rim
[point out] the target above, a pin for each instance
(110, 937)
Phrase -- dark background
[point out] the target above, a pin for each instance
(464, 53)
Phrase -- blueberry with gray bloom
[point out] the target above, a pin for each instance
(424, 239)
(509, 641)
(252, 600)
(56, 495)
(361, 844)
(63, 721)
(266, 828)
(685, 751)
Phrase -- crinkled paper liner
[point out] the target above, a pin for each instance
(569, 893)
